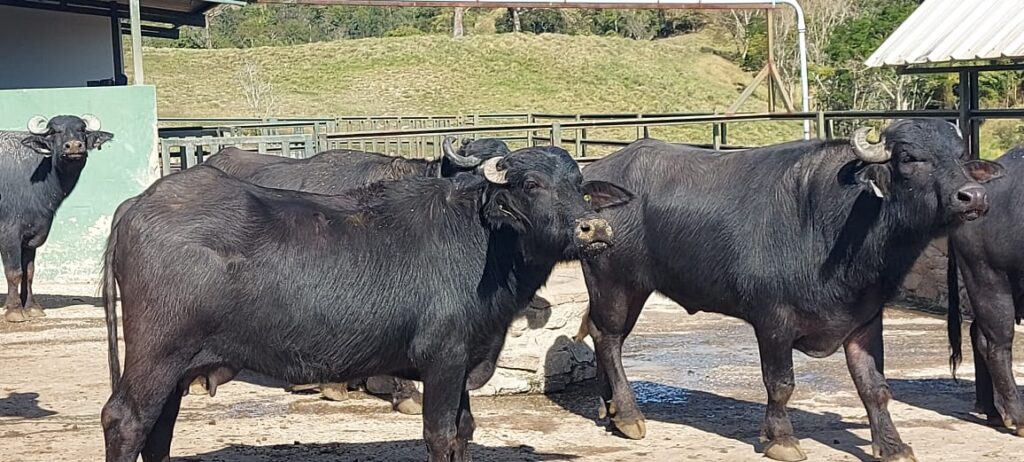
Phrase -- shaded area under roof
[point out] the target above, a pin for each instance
(172, 12)
(954, 33)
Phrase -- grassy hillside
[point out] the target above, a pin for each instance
(483, 73)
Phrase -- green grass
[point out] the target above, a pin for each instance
(436, 74)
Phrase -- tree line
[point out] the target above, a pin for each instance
(841, 35)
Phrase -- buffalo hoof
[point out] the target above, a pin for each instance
(409, 407)
(1020, 431)
(302, 388)
(602, 409)
(35, 311)
(634, 430)
(334, 391)
(15, 315)
(905, 455)
(198, 386)
(785, 449)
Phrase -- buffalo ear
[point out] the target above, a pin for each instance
(602, 194)
(498, 212)
(94, 140)
(983, 171)
(38, 144)
(875, 179)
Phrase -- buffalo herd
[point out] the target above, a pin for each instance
(350, 264)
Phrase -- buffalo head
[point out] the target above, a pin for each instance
(67, 137)
(540, 194)
(918, 161)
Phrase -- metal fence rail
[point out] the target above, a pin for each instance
(180, 153)
(421, 136)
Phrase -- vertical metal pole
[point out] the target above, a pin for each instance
(133, 6)
(556, 134)
(975, 145)
(964, 95)
(771, 60)
(821, 125)
(115, 42)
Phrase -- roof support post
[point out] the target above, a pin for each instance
(136, 25)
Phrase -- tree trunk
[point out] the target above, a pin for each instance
(517, 26)
(457, 30)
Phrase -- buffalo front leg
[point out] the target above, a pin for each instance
(865, 359)
(13, 309)
(612, 317)
(28, 265)
(777, 373)
(443, 387)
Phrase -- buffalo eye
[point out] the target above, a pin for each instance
(531, 184)
(586, 197)
(909, 159)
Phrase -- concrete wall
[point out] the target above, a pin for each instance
(925, 287)
(49, 49)
(123, 168)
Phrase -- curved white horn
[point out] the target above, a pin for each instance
(872, 153)
(491, 172)
(37, 125)
(91, 122)
(959, 133)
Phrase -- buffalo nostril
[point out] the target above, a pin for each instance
(964, 196)
(585, 227)
(67, 146)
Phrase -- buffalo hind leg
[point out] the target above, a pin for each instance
(777, 373)
(866, 362)
(158, 444)
(613, 312)
(984, 401)
(994, 315)
(466, 426)
(443, 387)
(13, 309)
(28, 264)
(405, 398)
(136, 406)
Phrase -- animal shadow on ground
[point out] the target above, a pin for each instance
(942, 396)
(24, 405)
(55, 301)
(389, 451)
(724, 416)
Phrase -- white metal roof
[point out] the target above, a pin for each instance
(946, 31)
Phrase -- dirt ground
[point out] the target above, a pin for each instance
(697, 377)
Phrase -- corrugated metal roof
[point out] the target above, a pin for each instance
(947, 31)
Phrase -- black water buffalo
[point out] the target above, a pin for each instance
(990, 254)
(38, 169)
(339, 169)
(804, 240)
(418, 278)
(334, 171)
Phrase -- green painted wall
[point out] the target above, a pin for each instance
(123, 168)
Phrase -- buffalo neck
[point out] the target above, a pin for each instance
(867, 239)
(67, 173)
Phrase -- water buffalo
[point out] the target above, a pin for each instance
(340, 169)
(990, 254)
(804, 240)
(38, 169)
(418, 278)
(334, 171)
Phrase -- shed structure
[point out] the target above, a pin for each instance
(966, 38)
